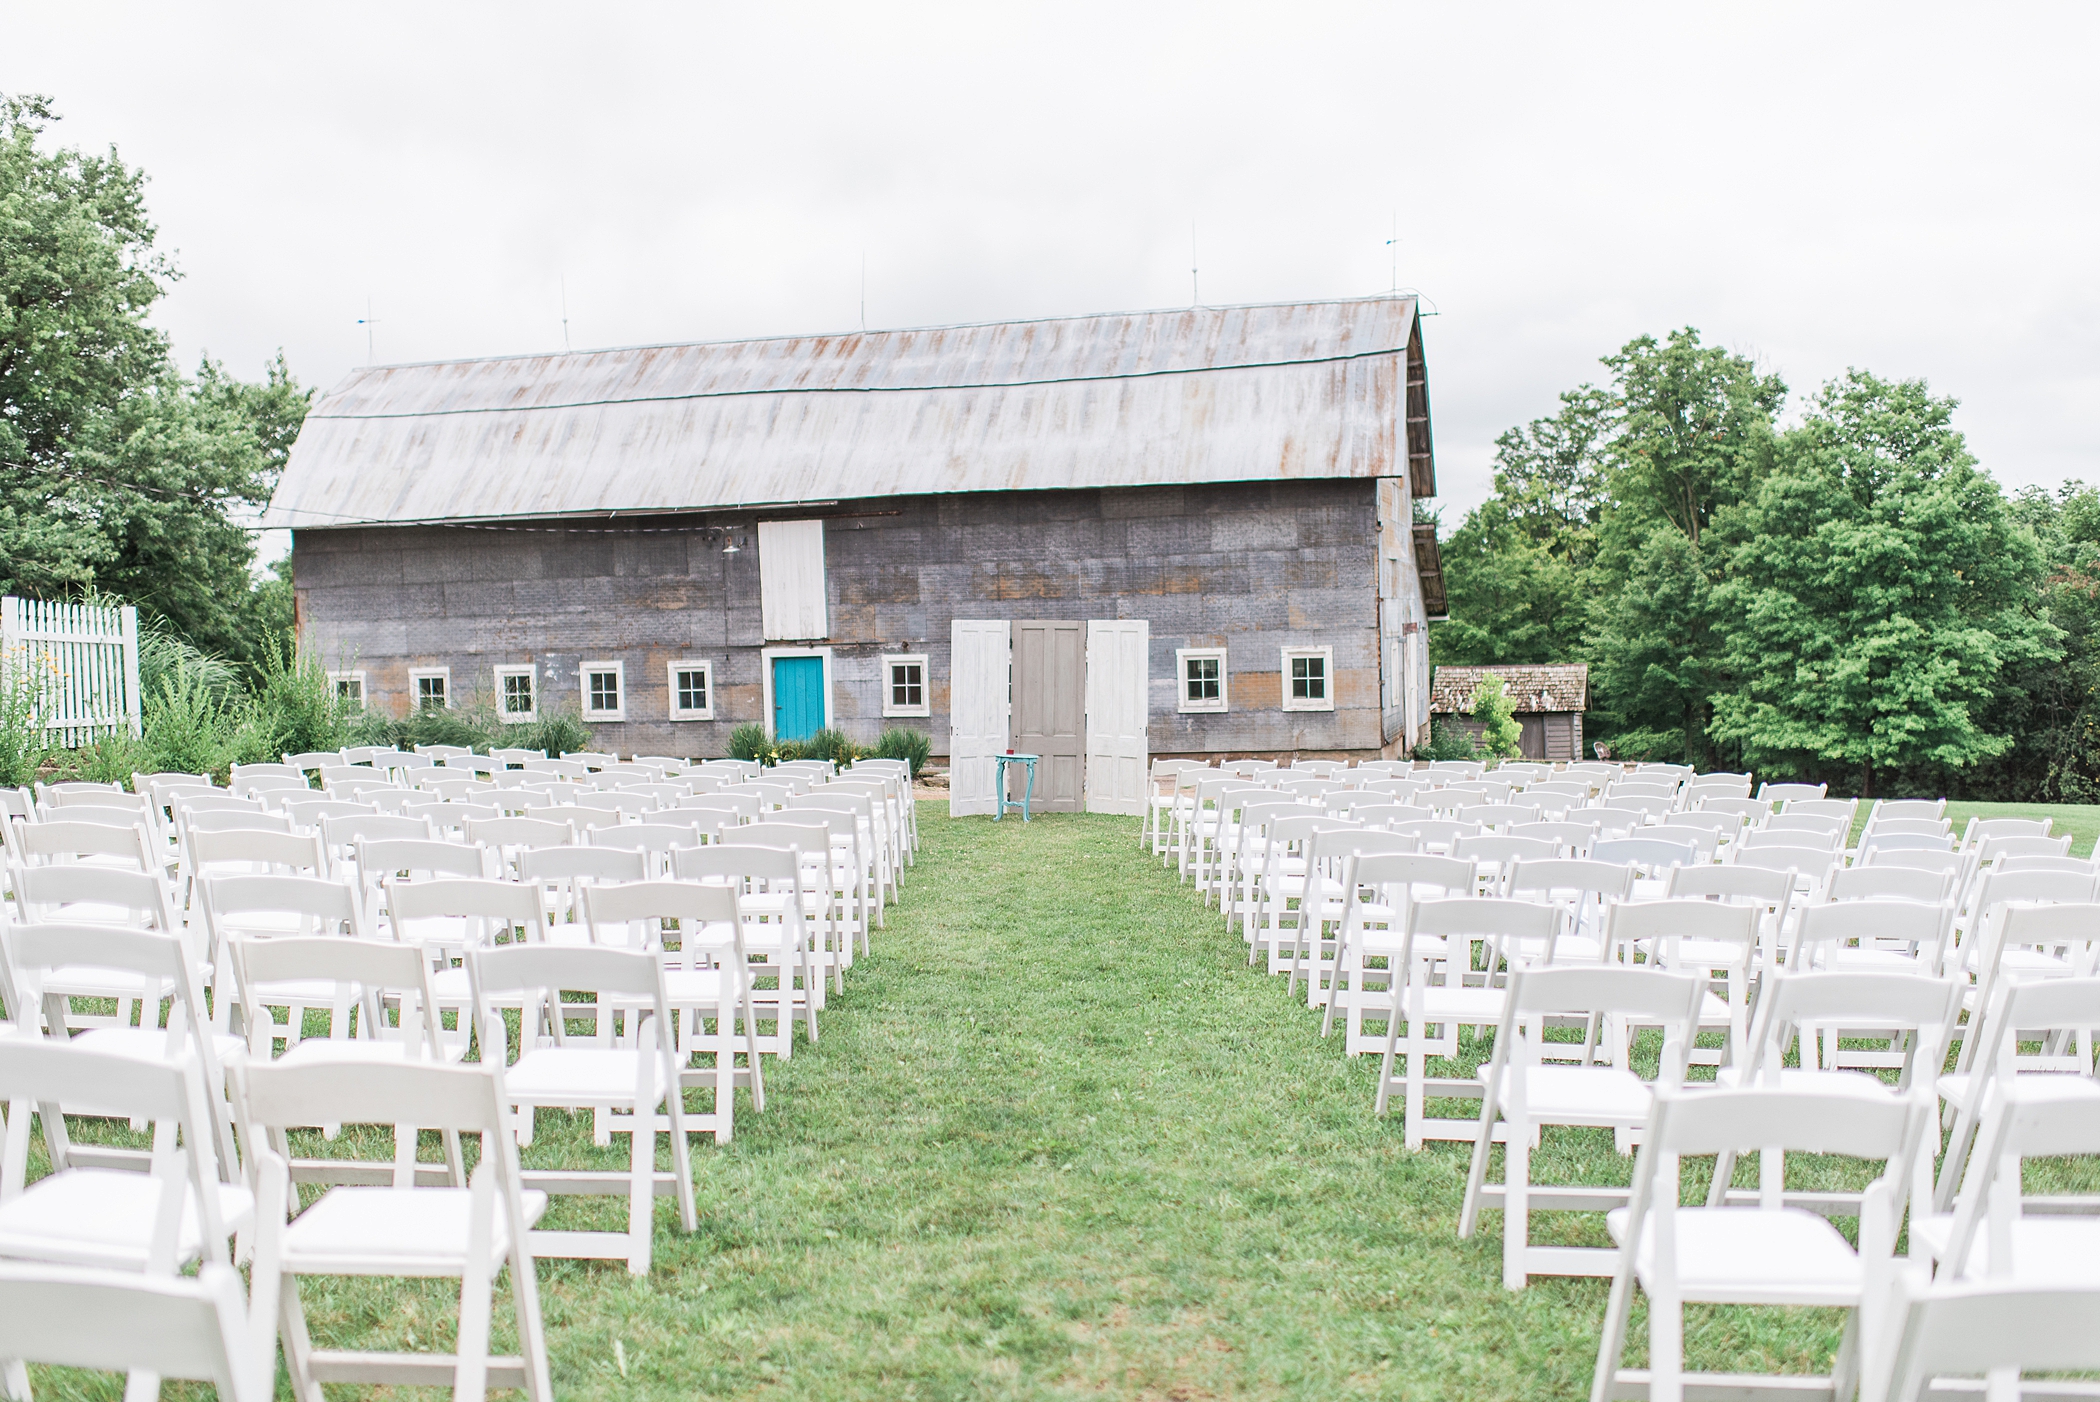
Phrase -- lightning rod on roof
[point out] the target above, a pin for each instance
(1195, 289)
(368, 321)
(564, 313)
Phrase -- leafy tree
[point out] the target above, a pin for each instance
(1877, 590)
(116, 473)
(1512, 599)
(1655, 652)
(1692, 433)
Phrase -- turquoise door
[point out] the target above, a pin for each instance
(798, 697)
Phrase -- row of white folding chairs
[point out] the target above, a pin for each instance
(707, 976)
(365, 850)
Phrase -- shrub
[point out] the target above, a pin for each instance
(294, 707)
(560, 732)
(832, 745)
(23, 747)
(902, 742)
(1502, 737)
(749, 742)
(1446, 742)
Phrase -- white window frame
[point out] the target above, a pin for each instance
(356, 679)
(907, 659)
(418, 675)
(691, 664)
(1182, 657)
(530, 713)
(583, 686)
(765, 663)
(1326, 656)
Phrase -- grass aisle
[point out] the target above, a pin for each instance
(1058, 1140)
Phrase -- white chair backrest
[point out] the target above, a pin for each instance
(1970, 1328)
(1992, 848)
(1651, 855)
(115, 1321)
(1825, 931)
(1874, 883)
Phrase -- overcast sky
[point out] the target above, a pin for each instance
(1910, 188)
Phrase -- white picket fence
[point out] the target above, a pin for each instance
(79, 662)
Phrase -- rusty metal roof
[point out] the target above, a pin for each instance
(1204, 394)
(1561, 687)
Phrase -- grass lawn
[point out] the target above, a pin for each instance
(1058, 1140)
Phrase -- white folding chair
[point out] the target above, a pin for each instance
(1379, 889)
(707, 978)
(88, 1212)
(1525, 1091)
(150, 1327)
(405, 1228)
(625, 1075)
(1464, 928)
(1998, 1329)
(1770, 1254)
(781, 907)
(1999, 1228)
(2059, 1016)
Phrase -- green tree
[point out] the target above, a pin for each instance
(1878, 590)
(116, 473)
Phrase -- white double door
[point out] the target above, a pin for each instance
(980, 712)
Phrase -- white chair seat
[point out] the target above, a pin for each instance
(1745, 1256)
(2046, 1251)
(363, 1050)
(1387, 943)
(151, 1043)
(1604, 1096)
(693, 988)
(104, 1217)
(383, 1231)
(577, 1076)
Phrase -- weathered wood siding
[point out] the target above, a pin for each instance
(1251, 567)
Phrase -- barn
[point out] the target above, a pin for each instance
(1098, 538)
(1549, 703)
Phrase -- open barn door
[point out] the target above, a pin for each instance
(979, 702)
(1118, 685)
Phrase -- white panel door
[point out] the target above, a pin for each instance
(791, 581)
(1118, 685)
(980, 699)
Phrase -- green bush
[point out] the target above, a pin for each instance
(1501, 737)
(902, 742)
(562, 732)
(749, 742)
(832, 745)
(294, 708)
(1446, 742)
(23, 748)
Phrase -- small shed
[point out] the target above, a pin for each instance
(1549, 701)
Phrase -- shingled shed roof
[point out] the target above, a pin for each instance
(1198, 395)
(1555, 688)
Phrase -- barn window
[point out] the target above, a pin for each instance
(433, 688)
(692, 690)
(349, 688)
(604, 690)
(904, 685)
(1308, 679)
(1202, 673)
(516, 694)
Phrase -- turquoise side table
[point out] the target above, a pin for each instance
(1027, 791)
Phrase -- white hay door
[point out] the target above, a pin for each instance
(1118, 683)
(980, 699)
